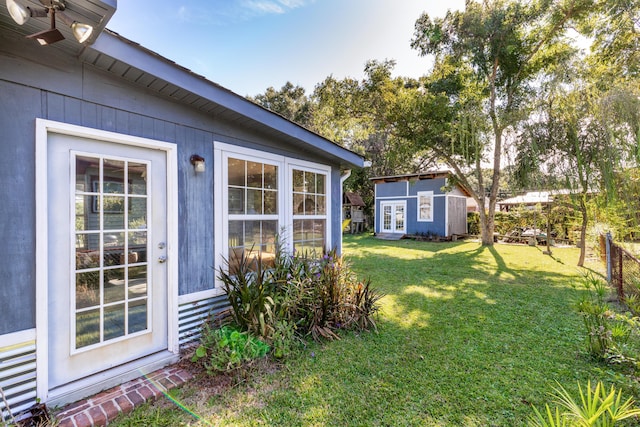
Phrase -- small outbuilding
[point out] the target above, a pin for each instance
(427, 203)
(353, 211)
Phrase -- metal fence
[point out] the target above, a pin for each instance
(623, 268)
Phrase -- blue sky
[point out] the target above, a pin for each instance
(249, 45)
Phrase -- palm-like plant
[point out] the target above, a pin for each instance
(595, 408)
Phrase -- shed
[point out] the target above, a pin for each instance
(353, 211)
(421, 203)
(127, 180)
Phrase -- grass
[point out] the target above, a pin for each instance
(468, 336)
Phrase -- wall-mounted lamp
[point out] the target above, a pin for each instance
(21, 14)
(198, 163)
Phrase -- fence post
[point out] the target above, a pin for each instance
(608, 244)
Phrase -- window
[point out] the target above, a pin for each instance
(425, 206)
(266, 196)
(111, 207)
(309, 211)
(252, 189)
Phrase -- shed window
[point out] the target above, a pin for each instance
(425, 206)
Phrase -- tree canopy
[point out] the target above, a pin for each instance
(510, 92)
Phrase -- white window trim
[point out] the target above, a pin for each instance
(42, 131)
(393, 204)
(314, 168)
(222, 152)
(425, 194)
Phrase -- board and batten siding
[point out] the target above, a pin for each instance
(83, 95)
(407, 190)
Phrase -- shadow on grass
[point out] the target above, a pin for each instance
(468, 335)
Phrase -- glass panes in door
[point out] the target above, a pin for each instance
(111, 206)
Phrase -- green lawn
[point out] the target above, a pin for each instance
(468, 336)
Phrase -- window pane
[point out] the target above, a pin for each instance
(254, 202)
(236, 172)
(320, 184)
(113, 212)
(298, 181)
(298, 203)
(138, 178)
(254, 174)
(138, 212)
(87, 289)
(270, 177)
(270, 202)
(87, 328)
(269, 232)
(138, 246)
(113, 321)
(317, 229)
(86, 167)
(321, 208)
(113, 249)
(87, 255)
(236, 200)
(113, 172)
(87, 217)
(114, 285)
(236, 234)
(137, 316)
(137, 283)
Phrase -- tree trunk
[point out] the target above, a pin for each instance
(487, 229)
(583, 231)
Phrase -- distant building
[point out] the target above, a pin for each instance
(420, 204)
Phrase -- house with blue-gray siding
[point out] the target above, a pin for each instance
(428, 203)
(128, 180)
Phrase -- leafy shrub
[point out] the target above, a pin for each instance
(608, 333)
(596, 407)
(249, 294)
(299, 295)
(225, 349)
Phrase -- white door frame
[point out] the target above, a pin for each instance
(393, 204)
(43, 129)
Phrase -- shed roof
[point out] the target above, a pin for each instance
(354, 199)
(412, 176)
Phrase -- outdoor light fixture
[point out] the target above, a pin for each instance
(198, 163)
(21, 14)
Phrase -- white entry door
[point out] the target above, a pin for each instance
(393, 218)
(107, 231)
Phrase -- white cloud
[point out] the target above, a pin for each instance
(264, 6)
(273, 6)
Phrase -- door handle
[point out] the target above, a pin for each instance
(162, 259)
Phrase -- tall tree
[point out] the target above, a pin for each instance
(357, 115)
(487, 59)
(290, 102)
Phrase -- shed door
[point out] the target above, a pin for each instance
(393, 219)
(107, 290)
(457, 215)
